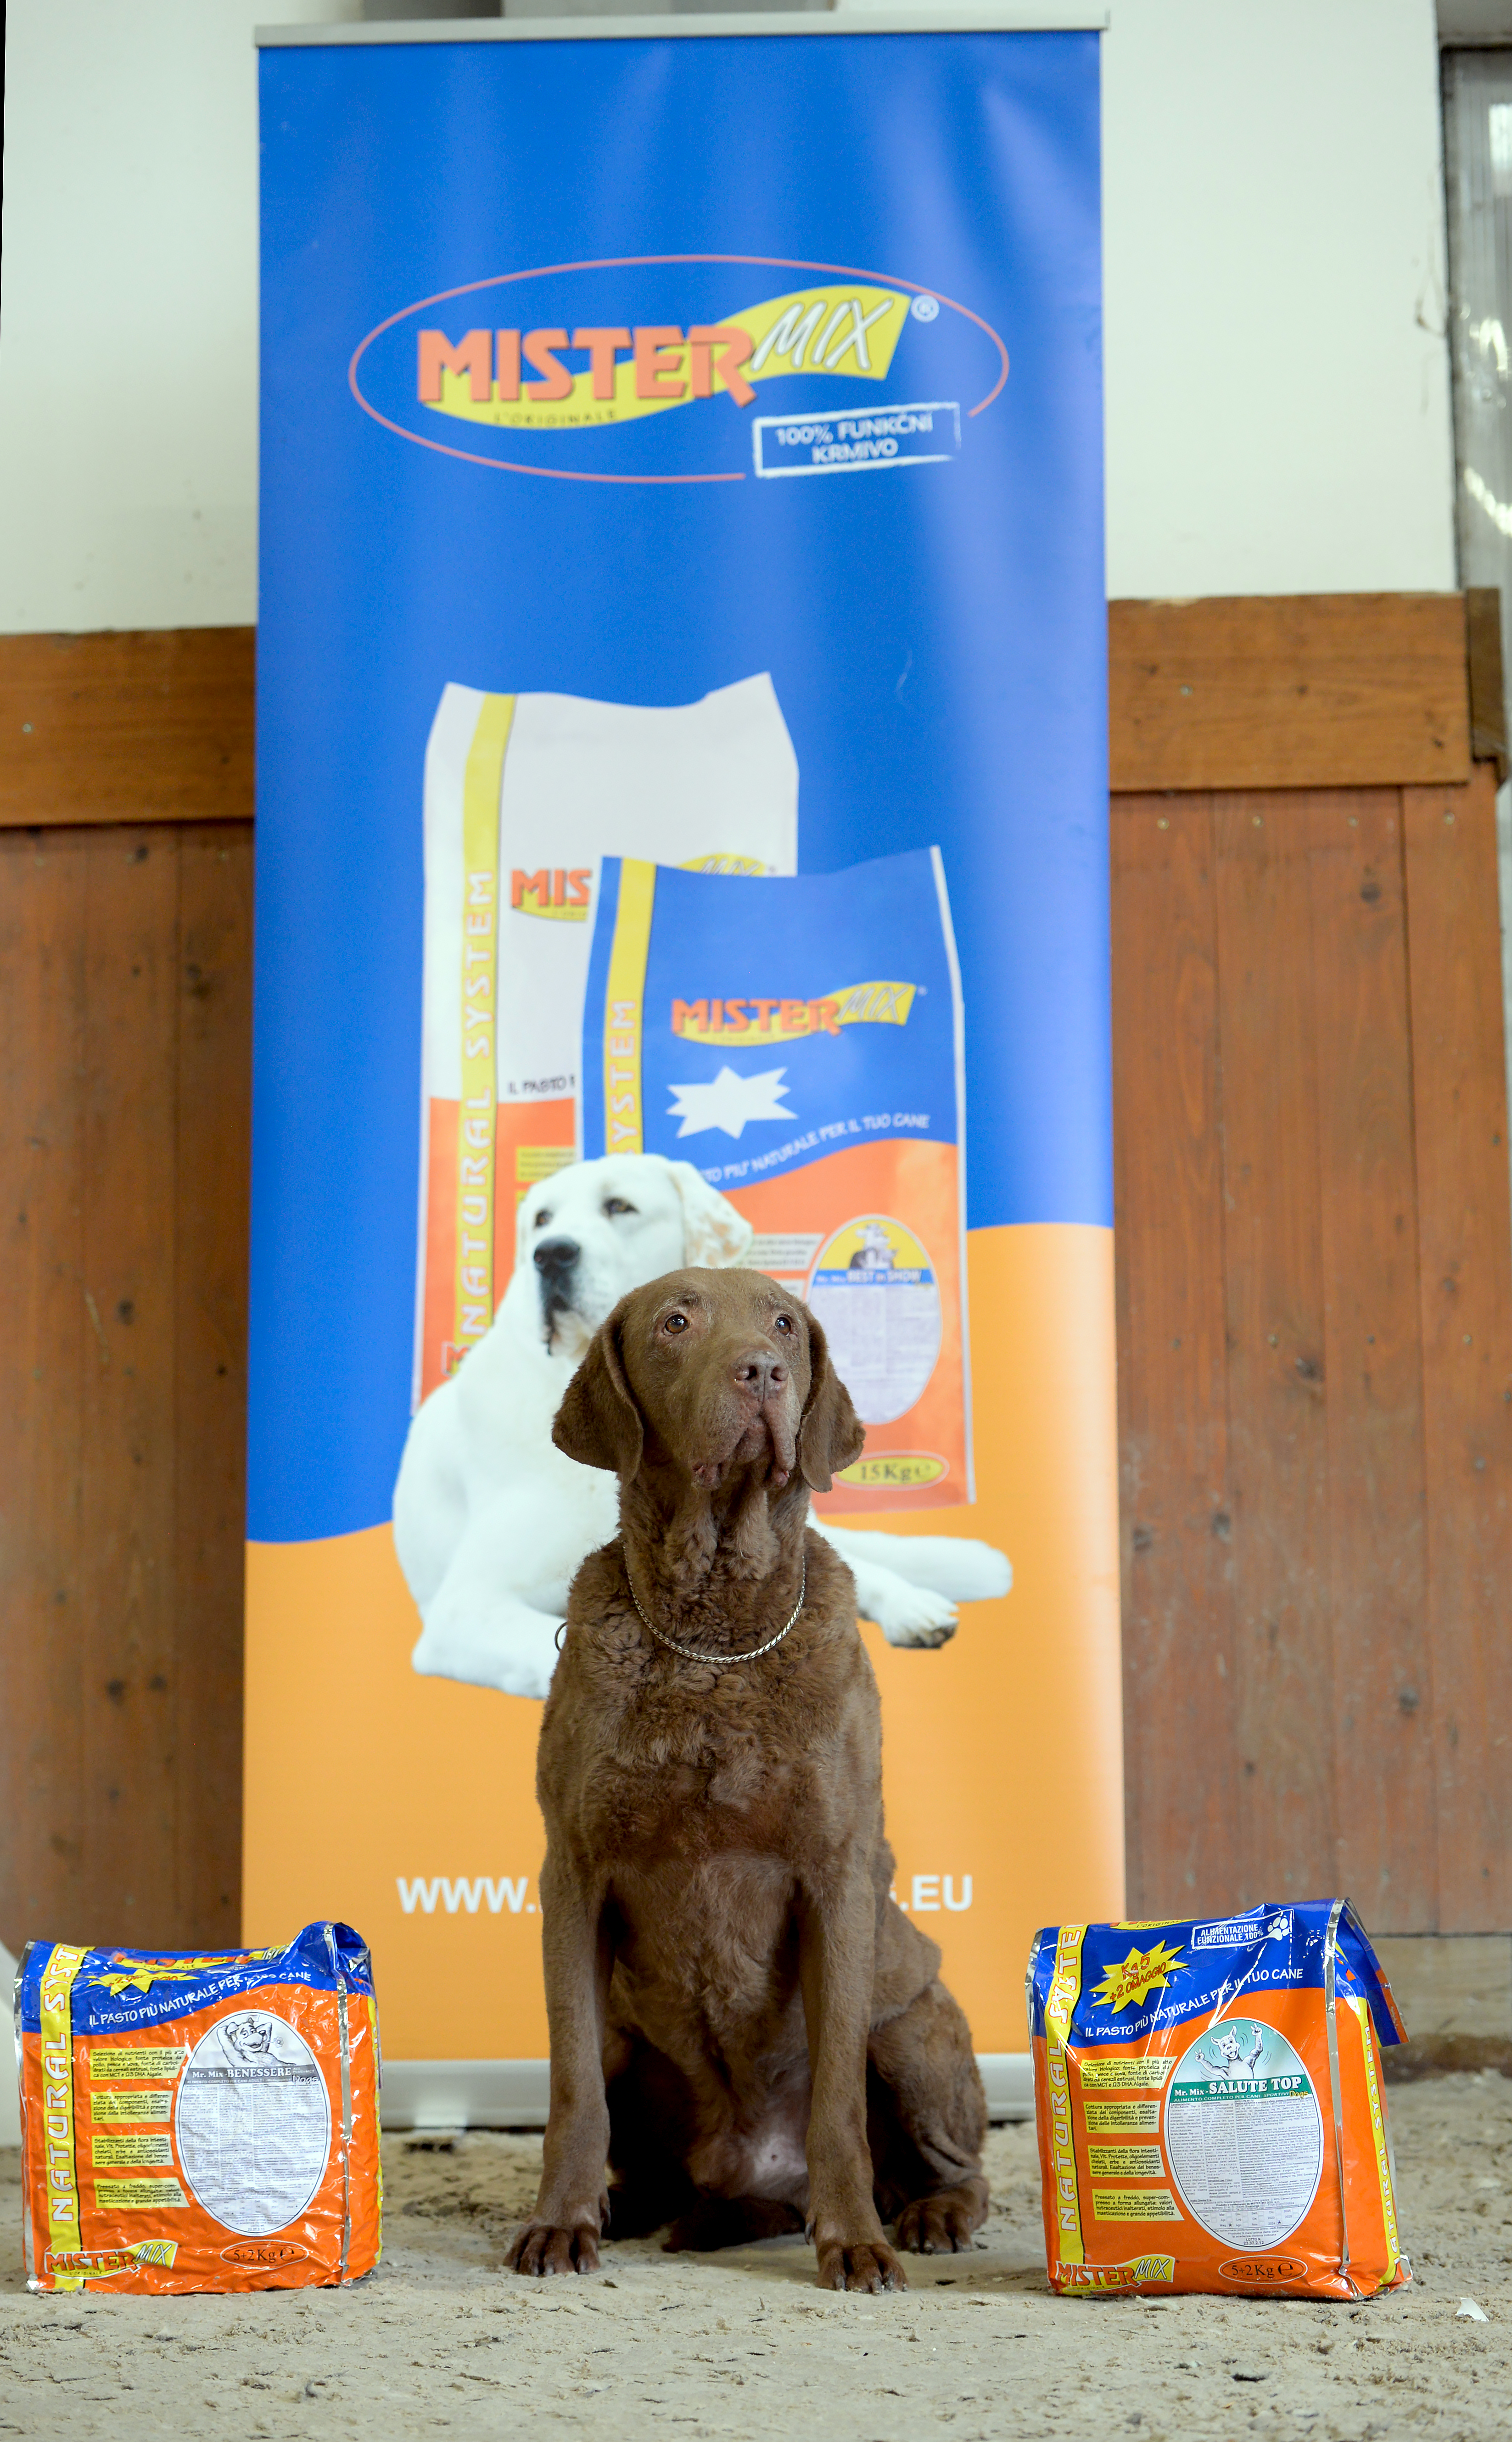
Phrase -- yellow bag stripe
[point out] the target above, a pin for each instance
(1065, 1986)
(625, 1008)
(478, 1121)
(57, 2150)
(1377, 2124)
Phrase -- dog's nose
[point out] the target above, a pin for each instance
(762, 1373)
(555, 1257)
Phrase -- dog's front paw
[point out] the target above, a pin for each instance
(869, 2265)
(915, 1616)
(544, 2247)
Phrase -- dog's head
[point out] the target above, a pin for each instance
(596, 1230)
(713, 1376)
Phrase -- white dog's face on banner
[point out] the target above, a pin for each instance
(599, 1229)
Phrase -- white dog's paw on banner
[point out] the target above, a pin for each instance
(505, 1644)
(911, 1585)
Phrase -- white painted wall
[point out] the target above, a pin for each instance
(128, 312)
(10, 2097)
(1277, 380)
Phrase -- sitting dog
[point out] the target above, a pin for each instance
(744, 2024)
(490, 1523)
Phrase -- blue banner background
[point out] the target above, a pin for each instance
(936, 634)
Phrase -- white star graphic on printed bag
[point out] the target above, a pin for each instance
(729, 1102)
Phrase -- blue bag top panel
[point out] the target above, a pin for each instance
(115, 1991)
(1138, 1979)
(784, 1017)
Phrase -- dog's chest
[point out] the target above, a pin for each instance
(722, 1792)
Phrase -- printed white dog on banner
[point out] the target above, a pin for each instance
(491, 1522)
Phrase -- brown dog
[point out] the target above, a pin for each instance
(742, 2021)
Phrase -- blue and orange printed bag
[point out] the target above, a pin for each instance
(1211, 2106)
(199, 2120)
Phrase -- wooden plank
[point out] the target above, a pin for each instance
(215, 986)
(126, 1652)
(1482, 628)
(1179, 1683)
(154, 725)
(43, 1328)
(1465, 1286)
(1383, 1681)
(1303, 691)
(1278, 1446)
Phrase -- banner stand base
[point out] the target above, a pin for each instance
(512, 2094)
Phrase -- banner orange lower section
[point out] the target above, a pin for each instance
(406, 1805)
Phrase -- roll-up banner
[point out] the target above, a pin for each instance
(682, 838)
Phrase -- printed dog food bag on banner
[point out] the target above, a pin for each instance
(525, 793)
(800, 1041)
(199, 2122)
(1211, 2106)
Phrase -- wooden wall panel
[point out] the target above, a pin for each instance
(1355, 1202)
(213, 1150)
(151, 726)
(127, 881)
(1288, 691)
(1386, 1852)
(1274, 1281)
(124, 995)
(1467, 1330)
(42, 1453)
(1314, 1264)
(1180, 1691)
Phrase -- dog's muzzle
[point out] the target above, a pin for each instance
(557, 1261)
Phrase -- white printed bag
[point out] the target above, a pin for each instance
(524, 796)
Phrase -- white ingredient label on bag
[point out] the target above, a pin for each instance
(253, 2123)
(1243, 2134)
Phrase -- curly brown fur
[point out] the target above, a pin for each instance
(742, 2020)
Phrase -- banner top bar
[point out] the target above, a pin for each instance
(1046, 18)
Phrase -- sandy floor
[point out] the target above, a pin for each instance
(743, 2345)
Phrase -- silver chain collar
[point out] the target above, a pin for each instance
(686, 1651)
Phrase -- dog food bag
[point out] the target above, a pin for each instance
(799, 1041)
(524, 796)
(1211, 2106)
(199, 2122)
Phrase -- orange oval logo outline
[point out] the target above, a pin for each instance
(254, 2252)
(1263, 2267)
(632, 263)
(938, 1467)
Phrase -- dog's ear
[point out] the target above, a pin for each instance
(599, 1422)
(714, 1233)
(830, 1433)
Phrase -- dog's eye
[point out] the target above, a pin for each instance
(675, 1322)
(615, 1205)
(541, 1219)
(783, 1322)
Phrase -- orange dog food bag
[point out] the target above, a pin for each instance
(197, 2120)
(1211, 2106)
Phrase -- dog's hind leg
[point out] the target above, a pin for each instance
(730, 2221)
(651, 2118)
(926, 2120)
